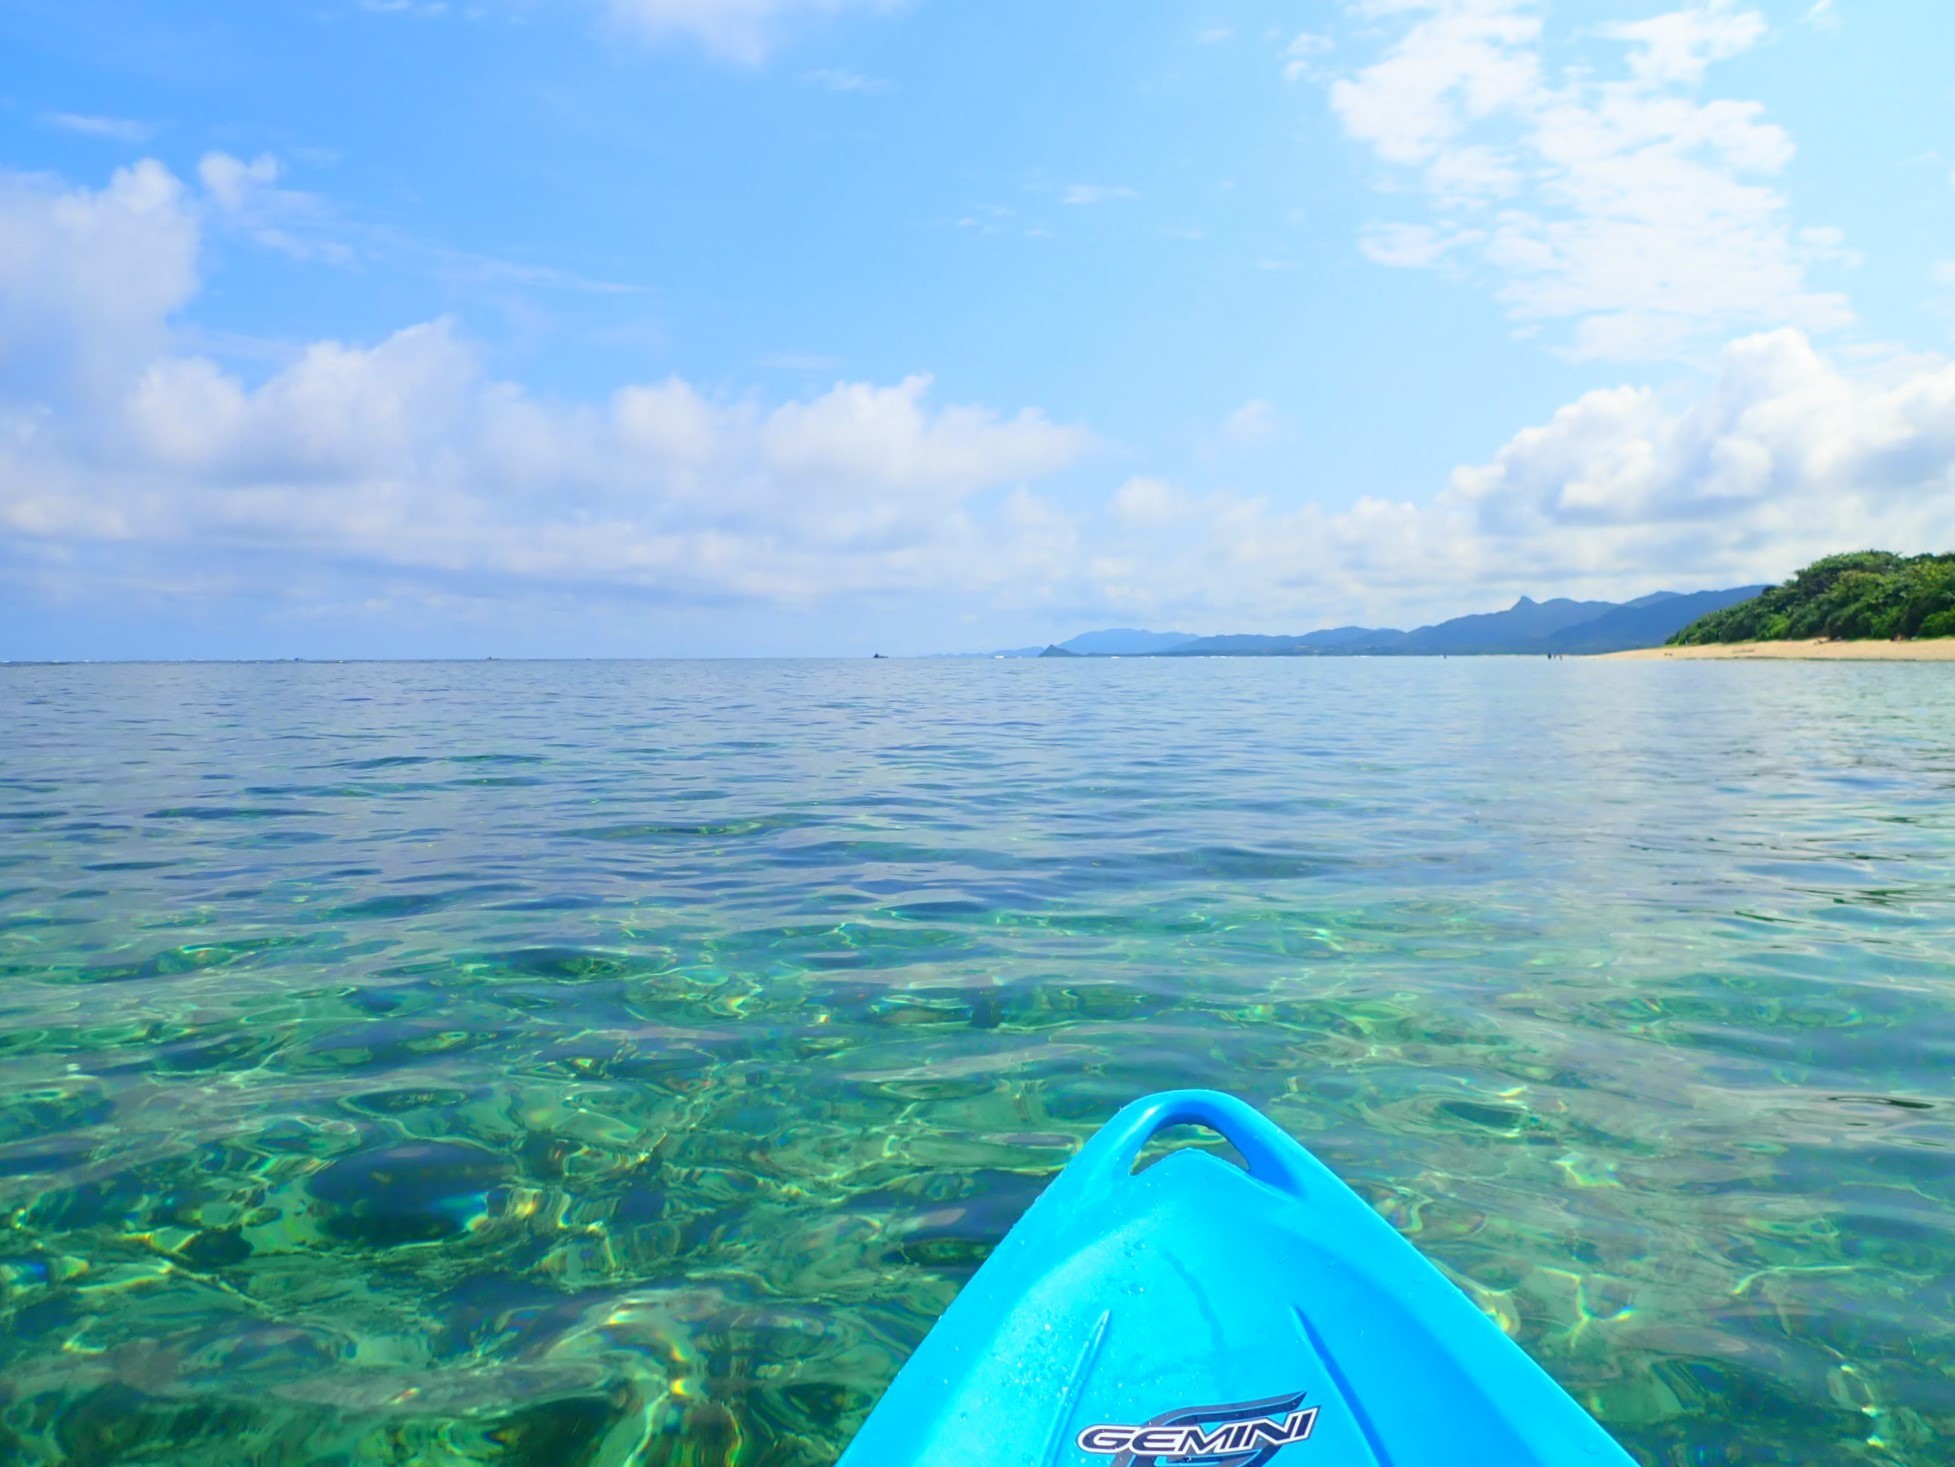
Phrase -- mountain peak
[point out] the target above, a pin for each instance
(1528, 627)
(1124, 642)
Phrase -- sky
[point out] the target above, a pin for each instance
(373, 328)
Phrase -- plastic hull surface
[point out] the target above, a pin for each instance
(1198, 1314)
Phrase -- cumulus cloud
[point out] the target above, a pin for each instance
(1677, 47)
(1629, 207)
(743, 31)
(406, 463)
(90, 277)
(407, 456)
(1782, 458)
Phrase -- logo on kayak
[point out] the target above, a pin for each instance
(1246, 1434)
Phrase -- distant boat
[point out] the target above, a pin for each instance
(875, 655)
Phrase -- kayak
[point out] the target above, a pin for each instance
(1198, 1313)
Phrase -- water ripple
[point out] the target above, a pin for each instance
(526, 1063)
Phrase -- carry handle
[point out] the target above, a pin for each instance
(1272, 1156)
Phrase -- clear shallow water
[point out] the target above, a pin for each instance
(599, 1063)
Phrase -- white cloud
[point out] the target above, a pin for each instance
(405, 464)
(117, 129)
(232, 182)
(1252, 425)
(1628, 208)
(1784, 449)
(1300, 56)
(1149, 502)
(1411, 246)
(744, 31)
(1677, 47)
(863, 441)
(245, 197)
(90, 278)
(246, 200)
(1783, 458)
(1463, 62)
(845, 81)
(406, 457)
(1096, 193)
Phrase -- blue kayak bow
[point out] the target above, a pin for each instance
(1197, 1315)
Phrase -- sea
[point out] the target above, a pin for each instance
(575, 1064)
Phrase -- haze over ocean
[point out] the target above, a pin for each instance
(532, 1063)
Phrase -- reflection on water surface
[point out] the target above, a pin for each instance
(601, 1063)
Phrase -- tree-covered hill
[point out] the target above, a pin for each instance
(1865, 593)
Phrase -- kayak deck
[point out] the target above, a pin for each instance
(1199, 1313)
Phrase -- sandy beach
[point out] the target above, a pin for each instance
(1940, 649)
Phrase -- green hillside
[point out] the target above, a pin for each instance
(1865, 593)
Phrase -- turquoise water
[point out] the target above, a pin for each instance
(598, 1063)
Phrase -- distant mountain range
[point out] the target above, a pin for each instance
(1527, 627)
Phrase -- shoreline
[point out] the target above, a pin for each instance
(1937, 649)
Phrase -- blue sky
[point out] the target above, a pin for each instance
(553, 327)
